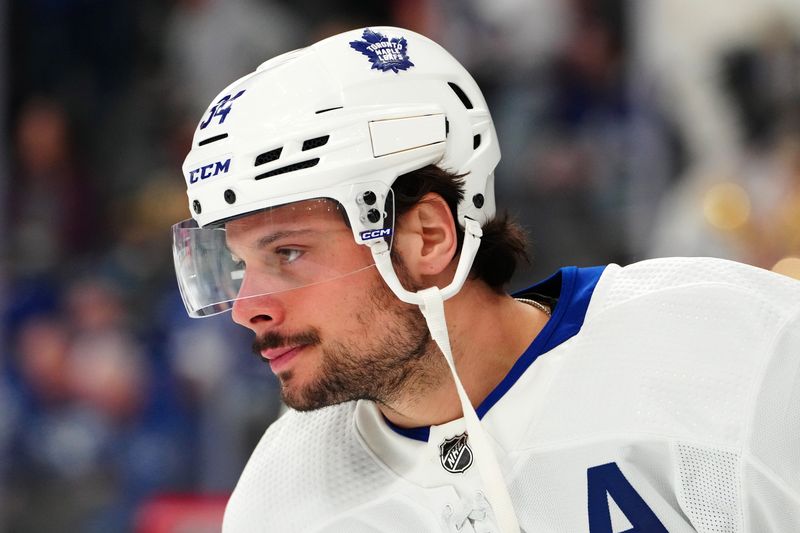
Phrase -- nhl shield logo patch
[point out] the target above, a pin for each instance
(455, 454)
(385, 54)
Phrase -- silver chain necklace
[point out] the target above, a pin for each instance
(540, 306)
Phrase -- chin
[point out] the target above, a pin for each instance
(310, 398)
(297, 398)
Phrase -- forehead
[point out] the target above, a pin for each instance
(318, 215)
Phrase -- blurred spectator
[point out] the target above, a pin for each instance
(96, 439)
(53, 216)
(764, 81)
(54, 447)
(573, 167)
(583, 165)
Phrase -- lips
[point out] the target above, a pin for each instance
(275, 353)
(279, 358)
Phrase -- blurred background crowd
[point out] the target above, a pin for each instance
(630, 129)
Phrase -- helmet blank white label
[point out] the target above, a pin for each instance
(400, 134)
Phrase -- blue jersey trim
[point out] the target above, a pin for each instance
(576, 289)
(421, 433)
(573, 287)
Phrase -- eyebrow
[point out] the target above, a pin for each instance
(266, 240)
(278, 235)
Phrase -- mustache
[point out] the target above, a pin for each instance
(274, 339)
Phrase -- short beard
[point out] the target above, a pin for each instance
(402, 363)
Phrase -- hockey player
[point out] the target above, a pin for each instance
(343, 208)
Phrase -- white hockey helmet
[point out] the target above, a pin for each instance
(325, 128)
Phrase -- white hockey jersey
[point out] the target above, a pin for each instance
(663, 396)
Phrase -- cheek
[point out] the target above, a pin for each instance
(331, 305)
(358, 305)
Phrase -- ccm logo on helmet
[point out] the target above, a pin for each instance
(209, 171)
(375, 233)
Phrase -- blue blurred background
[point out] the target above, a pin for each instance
(629, 129)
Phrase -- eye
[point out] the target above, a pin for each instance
(289, 255)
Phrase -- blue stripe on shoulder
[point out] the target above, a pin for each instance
(573, 287)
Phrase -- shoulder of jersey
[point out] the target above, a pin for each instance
(678, 347)
(622, 284)
(306, 468)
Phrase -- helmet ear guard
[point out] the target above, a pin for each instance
(371, 215)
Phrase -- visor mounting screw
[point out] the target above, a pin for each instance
(373, 215)
(196, 207)
(230, 196)
(370, 198)
(478, 200)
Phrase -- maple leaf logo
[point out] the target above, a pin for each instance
(385, 54)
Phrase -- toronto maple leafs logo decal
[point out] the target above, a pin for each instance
(385, 54)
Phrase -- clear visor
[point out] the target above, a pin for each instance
(271, 251)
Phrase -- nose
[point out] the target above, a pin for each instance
(255, 310)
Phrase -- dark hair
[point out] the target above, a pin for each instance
(504, 241)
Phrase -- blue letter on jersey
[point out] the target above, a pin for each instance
(608, 479)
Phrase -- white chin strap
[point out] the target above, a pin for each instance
(431, 303)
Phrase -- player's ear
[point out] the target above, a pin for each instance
(427, 239)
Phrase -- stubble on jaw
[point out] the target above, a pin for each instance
(390, 365)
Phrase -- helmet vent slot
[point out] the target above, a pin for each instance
(289, 168)
(461, 95)
(213, 139)
(316, 142)
(268, 157)
(476, 141)
(327, 109)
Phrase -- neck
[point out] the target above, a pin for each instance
(488, 332)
